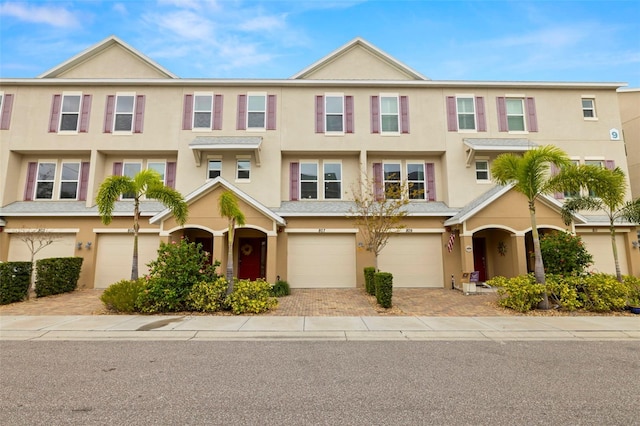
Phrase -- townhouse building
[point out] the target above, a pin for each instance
(295, 151)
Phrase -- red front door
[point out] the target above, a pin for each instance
(480, 258)
(250, 258)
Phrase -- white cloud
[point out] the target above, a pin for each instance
(185, 24)
(120, 9)
(263, 23)
(50, 15)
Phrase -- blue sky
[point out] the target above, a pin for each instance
(560, 40)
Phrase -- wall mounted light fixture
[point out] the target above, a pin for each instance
(79, 245)
(88, 245)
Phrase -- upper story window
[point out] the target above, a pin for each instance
(482, 170)
(305, 180)
(243, 169)
(256, 111)
(392, 180)
(570, 194)
(130, 169)
(588, 108)
(389, 119)
(389, 114)
(214, 169)
(45, 180)
(160, 167)
(332, 181)
(308, 181)
(70, 113)
(466, 113)
(69, 180)
(517, 113)
(124, 113)
(6, 102)
(415, 181)
(334, 113)
(202, 110)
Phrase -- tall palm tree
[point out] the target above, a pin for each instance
(147, 183)
(608, 189)
(530, 175)
(228, 204)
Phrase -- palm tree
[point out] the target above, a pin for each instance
(228, 204)
(607, 193)
(530, 175)
(147, 183)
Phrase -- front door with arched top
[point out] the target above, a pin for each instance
(251, 257)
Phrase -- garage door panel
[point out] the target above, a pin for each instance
(600, 248)
(63, 246)
(413, 260)
(114, 256)
(326, 261)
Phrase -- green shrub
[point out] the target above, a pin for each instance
(251, 297)
(179, 266)
(520, 293)
(57, 275)
(207, 296)
(281, 288)
(369, 282)
(633, 290)
(122, 296)
(15, 278)
(602, 293)
(384, 288)
(498, 281)
(564, 253)
(564, 291)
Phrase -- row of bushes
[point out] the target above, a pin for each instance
(590, 292)
(54, 276)
(143, 295)
(380, 285)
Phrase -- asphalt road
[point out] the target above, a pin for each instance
(324, 383)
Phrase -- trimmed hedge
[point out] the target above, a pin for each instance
(57, 275)
(384, 288)
(122, 296)
(14, 281)
(369, 283)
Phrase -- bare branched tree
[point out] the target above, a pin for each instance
(36, 240)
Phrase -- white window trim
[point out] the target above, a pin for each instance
(193, 114)
(213, 158)
(475, 171)
(384, 181)
(59, 178)
(264, 123)
(520, 98)
(397, 97)
(324, 162)
(158, 161)
(344, 113)
(1, 100)
(37, 180)
(115, 114)
(124, 163)
(424, 180)
(243, 158)
(71, 132)
(475, 113)
(592, 98)
(318, 167)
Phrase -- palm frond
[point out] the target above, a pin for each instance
(111, 189)
(171, 199)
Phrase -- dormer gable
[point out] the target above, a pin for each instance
(358, 60)
(110, 58)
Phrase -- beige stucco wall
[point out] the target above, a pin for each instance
(630, 115)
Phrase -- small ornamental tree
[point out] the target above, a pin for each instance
(564, 253)
(36, 240)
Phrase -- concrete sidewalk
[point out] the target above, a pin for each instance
(342, 328)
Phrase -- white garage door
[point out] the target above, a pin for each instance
(599, 246)
(414, 260)
(63, 246)
(114, 255)
(317, 261)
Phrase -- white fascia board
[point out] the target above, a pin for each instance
(44, 231)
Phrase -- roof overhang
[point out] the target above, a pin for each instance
(474, 146)
(202, 144)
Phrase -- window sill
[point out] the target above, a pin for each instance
(590, 118)
(67, 132)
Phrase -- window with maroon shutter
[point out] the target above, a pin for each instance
(29, 186)
(404, 114)
(271, 112)
(378, 184)
(348, 106)
(431, 181)
(217, 112)
(84, 181)
(5, 114)
(138, 126)
(532, 120)
(117, 168)
(54, 116)
(241, 121)
(294, 181)
(108, 114)
(480, 114)
(187, 112)
(502, 114)
(452, 116)
(319, 114)
(86, 111)
(375, 115)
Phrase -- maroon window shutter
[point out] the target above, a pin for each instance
(137, 128)
(319, 114)
(171, 174)
(54, 117)
(404, 114)
(481, 125)
(84, 115)
(241, 122)
(217, 112)
(117, 169)
(5, 116)
(84, 181)
(271, 112)
(554, 171)
(378, 184)
(294, 179)
(348, 107)
(452, 117)
(108, 114)
(532, 120)
(187, 112)
(375, 115)
(502, 114)
(430, 169)
(609, 164)
(29, 186)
